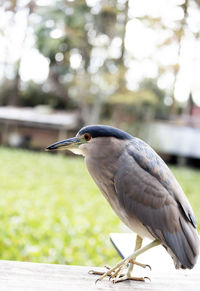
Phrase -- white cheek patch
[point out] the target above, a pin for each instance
(77, 151)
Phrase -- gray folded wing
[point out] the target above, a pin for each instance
(147, 189)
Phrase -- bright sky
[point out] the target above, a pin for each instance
(140, 43)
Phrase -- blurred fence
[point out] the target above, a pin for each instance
(180, 138)
(37, 127)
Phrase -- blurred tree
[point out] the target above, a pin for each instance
(85, 45)
(177, 32)
(12, 9)
(61, 37)
(90, 63)
(157, 109)
(179, 35)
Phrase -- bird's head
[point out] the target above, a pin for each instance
(88, 137)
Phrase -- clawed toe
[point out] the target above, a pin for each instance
(126, 277)
(142, 265)
(120, 272)
(94, 272)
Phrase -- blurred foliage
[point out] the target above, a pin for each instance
(160, 111)
(128, 97)
(33, 95)
(84, 43)
(52, 212)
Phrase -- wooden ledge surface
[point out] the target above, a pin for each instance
(23, 276)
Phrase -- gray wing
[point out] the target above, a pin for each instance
(147, 189)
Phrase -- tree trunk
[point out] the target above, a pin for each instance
(177, 69)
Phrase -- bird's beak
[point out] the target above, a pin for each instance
(68, 144)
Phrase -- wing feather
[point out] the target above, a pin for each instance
(147, 189)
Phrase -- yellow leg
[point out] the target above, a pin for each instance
(116, 272)
(138, 245)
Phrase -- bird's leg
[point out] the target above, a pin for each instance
(128, 274)
(115, 272)
(138, 245)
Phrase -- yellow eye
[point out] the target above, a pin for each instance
(87, 136)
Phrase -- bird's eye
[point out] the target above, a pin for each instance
(87, 136)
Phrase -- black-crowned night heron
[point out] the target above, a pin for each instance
(142, 191)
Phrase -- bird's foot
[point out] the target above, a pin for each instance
(126, 277)
(95, 272)
(117, 274)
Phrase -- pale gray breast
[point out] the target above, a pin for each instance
(103, 170)
(102, 160)
(103, 175)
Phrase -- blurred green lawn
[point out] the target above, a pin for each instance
(51, 211)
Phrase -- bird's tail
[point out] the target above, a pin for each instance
(186, 254)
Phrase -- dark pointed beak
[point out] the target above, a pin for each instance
(68, 144)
